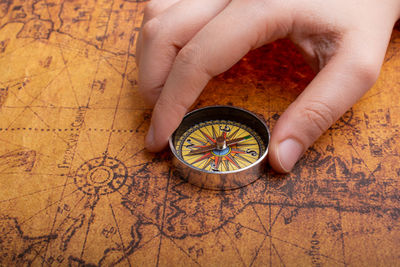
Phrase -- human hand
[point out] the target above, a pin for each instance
(184, 43)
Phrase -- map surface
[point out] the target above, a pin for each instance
(77, 187)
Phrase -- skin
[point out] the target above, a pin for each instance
(184, 43)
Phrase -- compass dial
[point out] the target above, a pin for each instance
(220, 147)
(233, 156)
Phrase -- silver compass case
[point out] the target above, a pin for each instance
(226, 180)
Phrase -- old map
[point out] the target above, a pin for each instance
(77, 187)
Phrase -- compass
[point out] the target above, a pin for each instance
(220, 147)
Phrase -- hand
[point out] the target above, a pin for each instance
(185, 43)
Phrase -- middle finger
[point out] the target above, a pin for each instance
(164, 35)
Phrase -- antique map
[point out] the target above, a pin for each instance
(77, 187)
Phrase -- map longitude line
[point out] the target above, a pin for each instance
(62, 222)
(70, 212)
(278, 213)
(183, 251)
(277, 253)
(131, 249)
(56, 213)
(100, 57)
(119, 231)
(234, 246)
(163, 217)
(340, 213)
(258, 250)
(37, 254)
(131, 35)
(260, 221)
(90, 144)
(69, 76)
(90, 221)
(58, 45)
(270, 230)
(341, 234)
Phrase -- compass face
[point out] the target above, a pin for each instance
(220, 146)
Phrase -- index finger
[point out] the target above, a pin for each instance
(214, 49)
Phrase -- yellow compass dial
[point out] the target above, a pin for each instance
(220, 146)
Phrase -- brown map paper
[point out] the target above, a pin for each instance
(77, 187)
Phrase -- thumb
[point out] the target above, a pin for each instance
(348, 75)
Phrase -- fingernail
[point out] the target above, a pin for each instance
(289, 152)
(150, 137)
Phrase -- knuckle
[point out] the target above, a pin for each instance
(318, 116)
(171, 106)
(153, 9)
(149, 94)
(367, 67)
(190, 59)
(189, 55)
(151, 28)
(369, 72)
